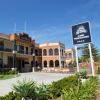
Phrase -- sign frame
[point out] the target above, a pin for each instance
(88, 42)
(89, 34)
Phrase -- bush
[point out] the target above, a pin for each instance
(25, 88)
(56, 88)
(82, 74)
(98, 70)
(13, 71)
(10, 96)
(86, 91)
(8, 71)
(42, 92)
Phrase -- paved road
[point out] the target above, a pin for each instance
(46, 78)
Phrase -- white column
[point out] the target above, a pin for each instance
(91, 59)
(77, 58)
(54, 63)
(47, 64)
(59, 58)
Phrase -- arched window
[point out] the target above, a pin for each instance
(56, 51)
(70, 55)
(36, 52)
(56, 63)
(62, 52)
(32, 64)
(62, 63)
(50, 52)
(44, 52)
(36, 64)
(45, 63)
(51, 63)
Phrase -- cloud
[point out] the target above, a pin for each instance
(96, 25)
(49, 32)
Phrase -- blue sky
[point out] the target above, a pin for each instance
(50, 20)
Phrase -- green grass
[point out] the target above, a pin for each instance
(4, 77)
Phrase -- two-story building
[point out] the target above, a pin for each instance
(16, 51)
(21, 52)
(53, 54)
(69, 56)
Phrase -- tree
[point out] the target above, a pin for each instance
(86, 54)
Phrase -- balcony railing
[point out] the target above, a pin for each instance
(6, 49)
(1, 48)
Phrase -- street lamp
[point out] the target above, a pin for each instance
(14, 59)
(33, 61)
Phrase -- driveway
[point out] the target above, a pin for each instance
(46, 78)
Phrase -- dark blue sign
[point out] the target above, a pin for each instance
(81, 33)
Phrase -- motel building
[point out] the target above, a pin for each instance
(69, 56)
(21, 52)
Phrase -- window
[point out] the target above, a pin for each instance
(51, 63)
(26, 50)
(1, 44)
(62, 52)
(31, 50)
(45, 63)
(21, 49)
(36, 64)
(44, 52)
(56, 51)
(36, 52)
(50, 52)
(66, 55)
(56, 63)
(40, 52)
(1, 62)
(70, 55)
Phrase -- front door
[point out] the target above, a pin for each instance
(19, 65)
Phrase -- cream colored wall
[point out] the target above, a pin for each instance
(8, 44)
(25, 45)
(48, 58)
(5, 57)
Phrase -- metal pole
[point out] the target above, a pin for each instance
(91, 59)
(77, 59)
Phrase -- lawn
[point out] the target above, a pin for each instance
(4, 77)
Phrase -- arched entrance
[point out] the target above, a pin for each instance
(51, 63)
(56, 63)
(45, 63)
(36, 64)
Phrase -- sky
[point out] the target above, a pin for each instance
(50, 20)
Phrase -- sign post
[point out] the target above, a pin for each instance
(81, 35)
(77, 59)
(91, 59)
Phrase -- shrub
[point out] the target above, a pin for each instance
(42, 92)
(8, 72)
(25, 88)
(98, 70)
(10, 96)
(14, 71)
(66, 83)
(82, 74)
(86, 91)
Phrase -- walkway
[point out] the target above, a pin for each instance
(46, 78)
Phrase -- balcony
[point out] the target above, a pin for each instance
(23, 52)
(6, 49)
(1, 48)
